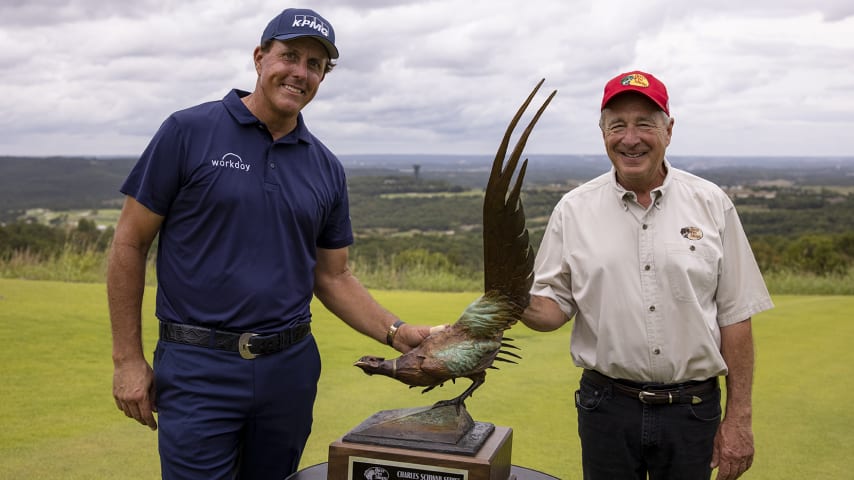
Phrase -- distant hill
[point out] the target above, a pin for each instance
(473, 170)
(60, 183)
(64, 183)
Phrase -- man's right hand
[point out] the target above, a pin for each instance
(133, 391)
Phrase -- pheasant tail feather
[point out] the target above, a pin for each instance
(507, 253)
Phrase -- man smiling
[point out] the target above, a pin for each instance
(653, 264)
(253, 219)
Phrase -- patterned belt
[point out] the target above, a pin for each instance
(248, 344)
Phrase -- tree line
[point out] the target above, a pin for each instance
(404, 224)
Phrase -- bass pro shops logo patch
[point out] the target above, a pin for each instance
(635, 80)
(691, 233)
(376, 473)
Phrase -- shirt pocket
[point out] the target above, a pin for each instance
(691, 271)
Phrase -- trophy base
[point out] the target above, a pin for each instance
(440, 429)
(395, 459)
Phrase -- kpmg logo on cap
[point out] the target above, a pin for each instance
(635, 80)
(310, 21)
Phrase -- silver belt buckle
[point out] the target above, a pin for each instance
(643, 395)
(243, 345)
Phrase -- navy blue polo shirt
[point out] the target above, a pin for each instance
(243, 216)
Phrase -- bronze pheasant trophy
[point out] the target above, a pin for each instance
(470, 346)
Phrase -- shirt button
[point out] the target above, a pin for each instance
(272, 165)
(652, 308)
(645, 226)
(656, 351)
(646, 267)
(692, 248)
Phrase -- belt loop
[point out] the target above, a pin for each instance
(212, 338)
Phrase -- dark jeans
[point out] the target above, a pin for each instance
(622, 438)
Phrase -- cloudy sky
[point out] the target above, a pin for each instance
(746, 77)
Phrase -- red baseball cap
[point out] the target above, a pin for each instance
(640, 82)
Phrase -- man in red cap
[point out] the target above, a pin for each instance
(253, 219)
(653, 264)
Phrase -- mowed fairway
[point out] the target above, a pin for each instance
(59, 420)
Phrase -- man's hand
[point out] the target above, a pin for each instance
(733, 451)
(133, 391)
(410, 336)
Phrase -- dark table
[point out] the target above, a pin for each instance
(318, 472)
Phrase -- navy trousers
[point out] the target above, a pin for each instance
(222, 417)
(623, 439)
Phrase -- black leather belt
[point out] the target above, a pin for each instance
(248, 344)
(688, 392)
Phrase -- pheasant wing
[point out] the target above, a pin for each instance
(507, 253)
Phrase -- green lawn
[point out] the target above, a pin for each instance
(59, 420)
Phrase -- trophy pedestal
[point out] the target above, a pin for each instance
(422, 443)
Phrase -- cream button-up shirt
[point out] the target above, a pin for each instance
(649, 288)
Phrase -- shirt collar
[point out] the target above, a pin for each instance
(665, 185)
(243, 116)
(624, 195)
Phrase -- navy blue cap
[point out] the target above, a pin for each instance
(301, 22)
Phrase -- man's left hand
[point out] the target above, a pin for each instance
(733, 451)
(410, 336)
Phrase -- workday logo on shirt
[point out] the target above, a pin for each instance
(231, 160)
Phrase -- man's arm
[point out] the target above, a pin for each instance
(342, 293)
(133, 379)
(733, 451)
(543, 314)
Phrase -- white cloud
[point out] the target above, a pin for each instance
(746, 78)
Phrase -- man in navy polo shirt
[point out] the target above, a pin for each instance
(253, 219)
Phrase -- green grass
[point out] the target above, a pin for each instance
(59, 420)
(800, 283)
(90, 267)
